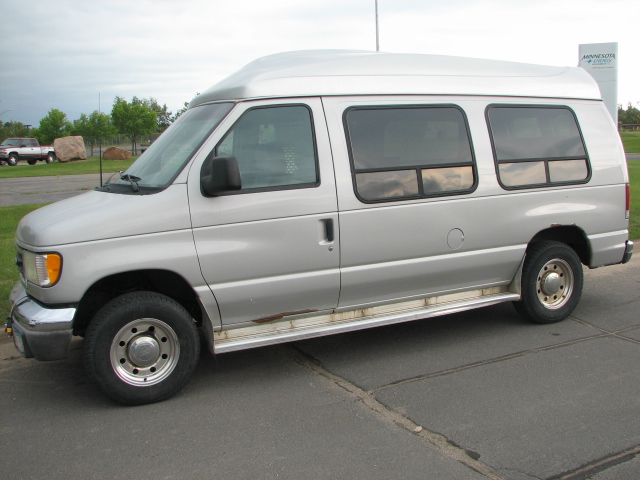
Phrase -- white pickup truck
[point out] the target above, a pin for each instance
(12, 150)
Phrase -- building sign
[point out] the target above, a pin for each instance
(600, 60)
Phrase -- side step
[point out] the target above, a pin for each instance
(348, 321)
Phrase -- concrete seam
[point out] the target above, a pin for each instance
(445, 446)
(486, 362)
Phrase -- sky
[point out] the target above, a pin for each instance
(78, 55)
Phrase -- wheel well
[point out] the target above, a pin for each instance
(569, 235)
(161, 281)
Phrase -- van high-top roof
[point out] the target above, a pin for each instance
(347, 72)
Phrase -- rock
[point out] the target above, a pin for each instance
(115, 153)
(69, 148)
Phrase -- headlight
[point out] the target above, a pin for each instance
(42, 268)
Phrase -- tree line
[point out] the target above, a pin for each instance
(132, 119)
(143, 116)
(628, 116)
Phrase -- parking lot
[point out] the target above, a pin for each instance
(475, 395)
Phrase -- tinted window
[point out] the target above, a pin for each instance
(537, 146)
(274, 148)
(409, 152)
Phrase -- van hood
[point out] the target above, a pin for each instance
(102, 215)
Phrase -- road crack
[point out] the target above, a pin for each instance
(444, 445)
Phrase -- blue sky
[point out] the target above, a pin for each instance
(78, 55)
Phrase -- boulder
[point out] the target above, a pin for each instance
(115, 153)
(70, 148)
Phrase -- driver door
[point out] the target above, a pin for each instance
(270, 251)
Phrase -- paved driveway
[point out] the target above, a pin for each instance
(27, 190)
(475, 395)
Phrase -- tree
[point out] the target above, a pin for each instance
(54, 125)
(95, 128)
(163, 116)
(182, 110)
(13, 129)
(630, 116)
(133, 119)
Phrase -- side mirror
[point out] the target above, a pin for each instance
(219, 175)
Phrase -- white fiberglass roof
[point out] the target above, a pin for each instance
(346, 72)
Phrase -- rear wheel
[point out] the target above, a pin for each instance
(12, 160)
(552, 282)
(141, 347)
(50, 158)
(32, 162)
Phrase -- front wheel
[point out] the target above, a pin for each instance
(12, 161)
(552, 282)
(141, 347)
(32, 162)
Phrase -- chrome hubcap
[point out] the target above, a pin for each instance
(555, 283)
(144, 352)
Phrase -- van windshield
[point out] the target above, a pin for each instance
(161, 163)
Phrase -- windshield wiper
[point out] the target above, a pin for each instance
(133, 180)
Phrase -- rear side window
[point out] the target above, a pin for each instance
(409, 152)
(537, 146)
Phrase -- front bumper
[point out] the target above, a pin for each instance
(40, 332)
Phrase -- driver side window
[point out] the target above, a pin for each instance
(274, 147)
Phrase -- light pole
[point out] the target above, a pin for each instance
(377, 30)
(5, 112)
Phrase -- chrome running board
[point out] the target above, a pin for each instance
(305, 327)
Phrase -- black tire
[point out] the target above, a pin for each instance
(32, 162)
(50, 158)
(552, 280)
(141, 347)
(12, 161)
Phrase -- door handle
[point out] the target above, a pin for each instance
(328, 232)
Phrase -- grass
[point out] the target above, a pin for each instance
(9, 218)
(54, 169)
(631, 141)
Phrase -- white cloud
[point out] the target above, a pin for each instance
(66, 52)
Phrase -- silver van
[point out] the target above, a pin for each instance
(314, 193)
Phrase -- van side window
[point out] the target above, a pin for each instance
(536, 146)
(274, 147)
(409, 152)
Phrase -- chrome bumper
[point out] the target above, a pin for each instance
(39, 332)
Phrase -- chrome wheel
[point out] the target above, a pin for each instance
(554, 283)
(551, 282)
(145, 352)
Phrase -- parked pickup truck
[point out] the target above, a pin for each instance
(12, 150)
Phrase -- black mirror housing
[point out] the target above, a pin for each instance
(219, 175)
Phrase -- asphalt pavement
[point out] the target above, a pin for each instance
(31, 190)
(471, 396)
